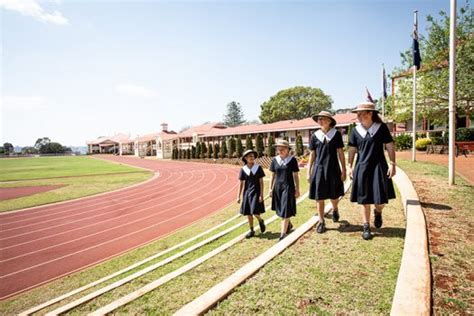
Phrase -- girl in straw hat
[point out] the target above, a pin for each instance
(284, 185)
(251, 183)
(372, 176)
(324, 173)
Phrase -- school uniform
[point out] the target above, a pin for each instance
(325, 181)
(371, 184)
(250, 201)
(283, 195)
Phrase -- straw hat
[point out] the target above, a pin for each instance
(365, 106)
(282, 143)
(325, 114)
(248, 151)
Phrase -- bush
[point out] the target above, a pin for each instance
(271, 146)
(210, 152)
(422, 143)
(464, 134)
(248, 143)
(231, 147)
(215, 154)
(299, 146)
(260, 146)
(239, 147)
(203, 150)
(403, 141)
(437, 140)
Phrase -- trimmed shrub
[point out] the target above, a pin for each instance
(271, 146)
(465, 134)
(193, 152)
(299, 146)
(210, 151)
(248, 143)
(232, 147)
(239, 149)
(260, 146)
(203, 150)
(223, 151)
(422, 143)
(216, 151)
(403, 141)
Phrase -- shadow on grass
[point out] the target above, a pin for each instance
(391, 232)
(436, 206)
(269, 235)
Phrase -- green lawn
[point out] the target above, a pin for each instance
(82, 176)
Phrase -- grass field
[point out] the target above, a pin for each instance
(292, 283)
(82, 176)
(449, 213)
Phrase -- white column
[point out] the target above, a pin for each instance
(452, 90)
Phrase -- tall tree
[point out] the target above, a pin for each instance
(198, 150)
(239, 147)
(203, 150)
(216, 151)
(232, 147)
(8, 148)
(223, 152)
(294, 103)
(234, 115)
(299, 145)
(210, 151)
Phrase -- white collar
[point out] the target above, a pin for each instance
(328, 136)
(283, 161)
(371, 130)
(254, 169)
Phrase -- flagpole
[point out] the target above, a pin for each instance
(383, 93)
(413, 149)
(452, 90)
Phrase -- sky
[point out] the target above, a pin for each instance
(76, 70)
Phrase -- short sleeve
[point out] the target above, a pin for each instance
(386, 136)
(338, 140)
(272, 165)
(294, 165)
(260, 172)
(353, 139)
(241, 175)
(312, 143)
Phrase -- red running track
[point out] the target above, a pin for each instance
(44, 243)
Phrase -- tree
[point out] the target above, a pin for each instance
(188, 153)
(193, 152)
(271, 146)
(260, 147)
(433, 77)
(8, 148)
(223, 152)
(294, 103)
(42, 141)
(248, 142)
(28, 150)
(2, 150)
(231, 147)
(299, 145)
(239, 147)
(52, 148)
(210, 152)
(234, 115)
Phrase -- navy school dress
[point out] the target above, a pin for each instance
(326, 182)
(370, 184)
(250, 204)
(283, 195)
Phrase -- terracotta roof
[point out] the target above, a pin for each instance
(117, 138)
(153, 136)
(202, 129)
(342, 119)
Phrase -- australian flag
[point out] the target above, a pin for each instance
(416, 48)
(369, 97)
(384, 83)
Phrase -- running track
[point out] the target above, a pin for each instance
(45, 243)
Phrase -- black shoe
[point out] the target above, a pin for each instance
(335, 215)
(321, 227)
(367, 234)
(282, 236)
(289, 228)
(262, 225)
(250, 234)
(377, 219)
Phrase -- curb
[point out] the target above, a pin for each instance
(413, 290)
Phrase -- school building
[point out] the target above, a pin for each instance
(161, 144)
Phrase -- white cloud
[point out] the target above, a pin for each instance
(34, 9)
(135, 90)
(22, 103)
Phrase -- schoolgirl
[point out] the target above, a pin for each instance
(284, 185)
(251, 185)
(324, 172)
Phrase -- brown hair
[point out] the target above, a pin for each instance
(376, 118)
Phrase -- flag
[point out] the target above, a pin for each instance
(369, 97)
(416, 47)
(384, 83)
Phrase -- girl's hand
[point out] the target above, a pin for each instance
(270, 192)
(349, 172)
(260, 199)
(392, 170)
(238, 200)
(297, 193)
(343, 175)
